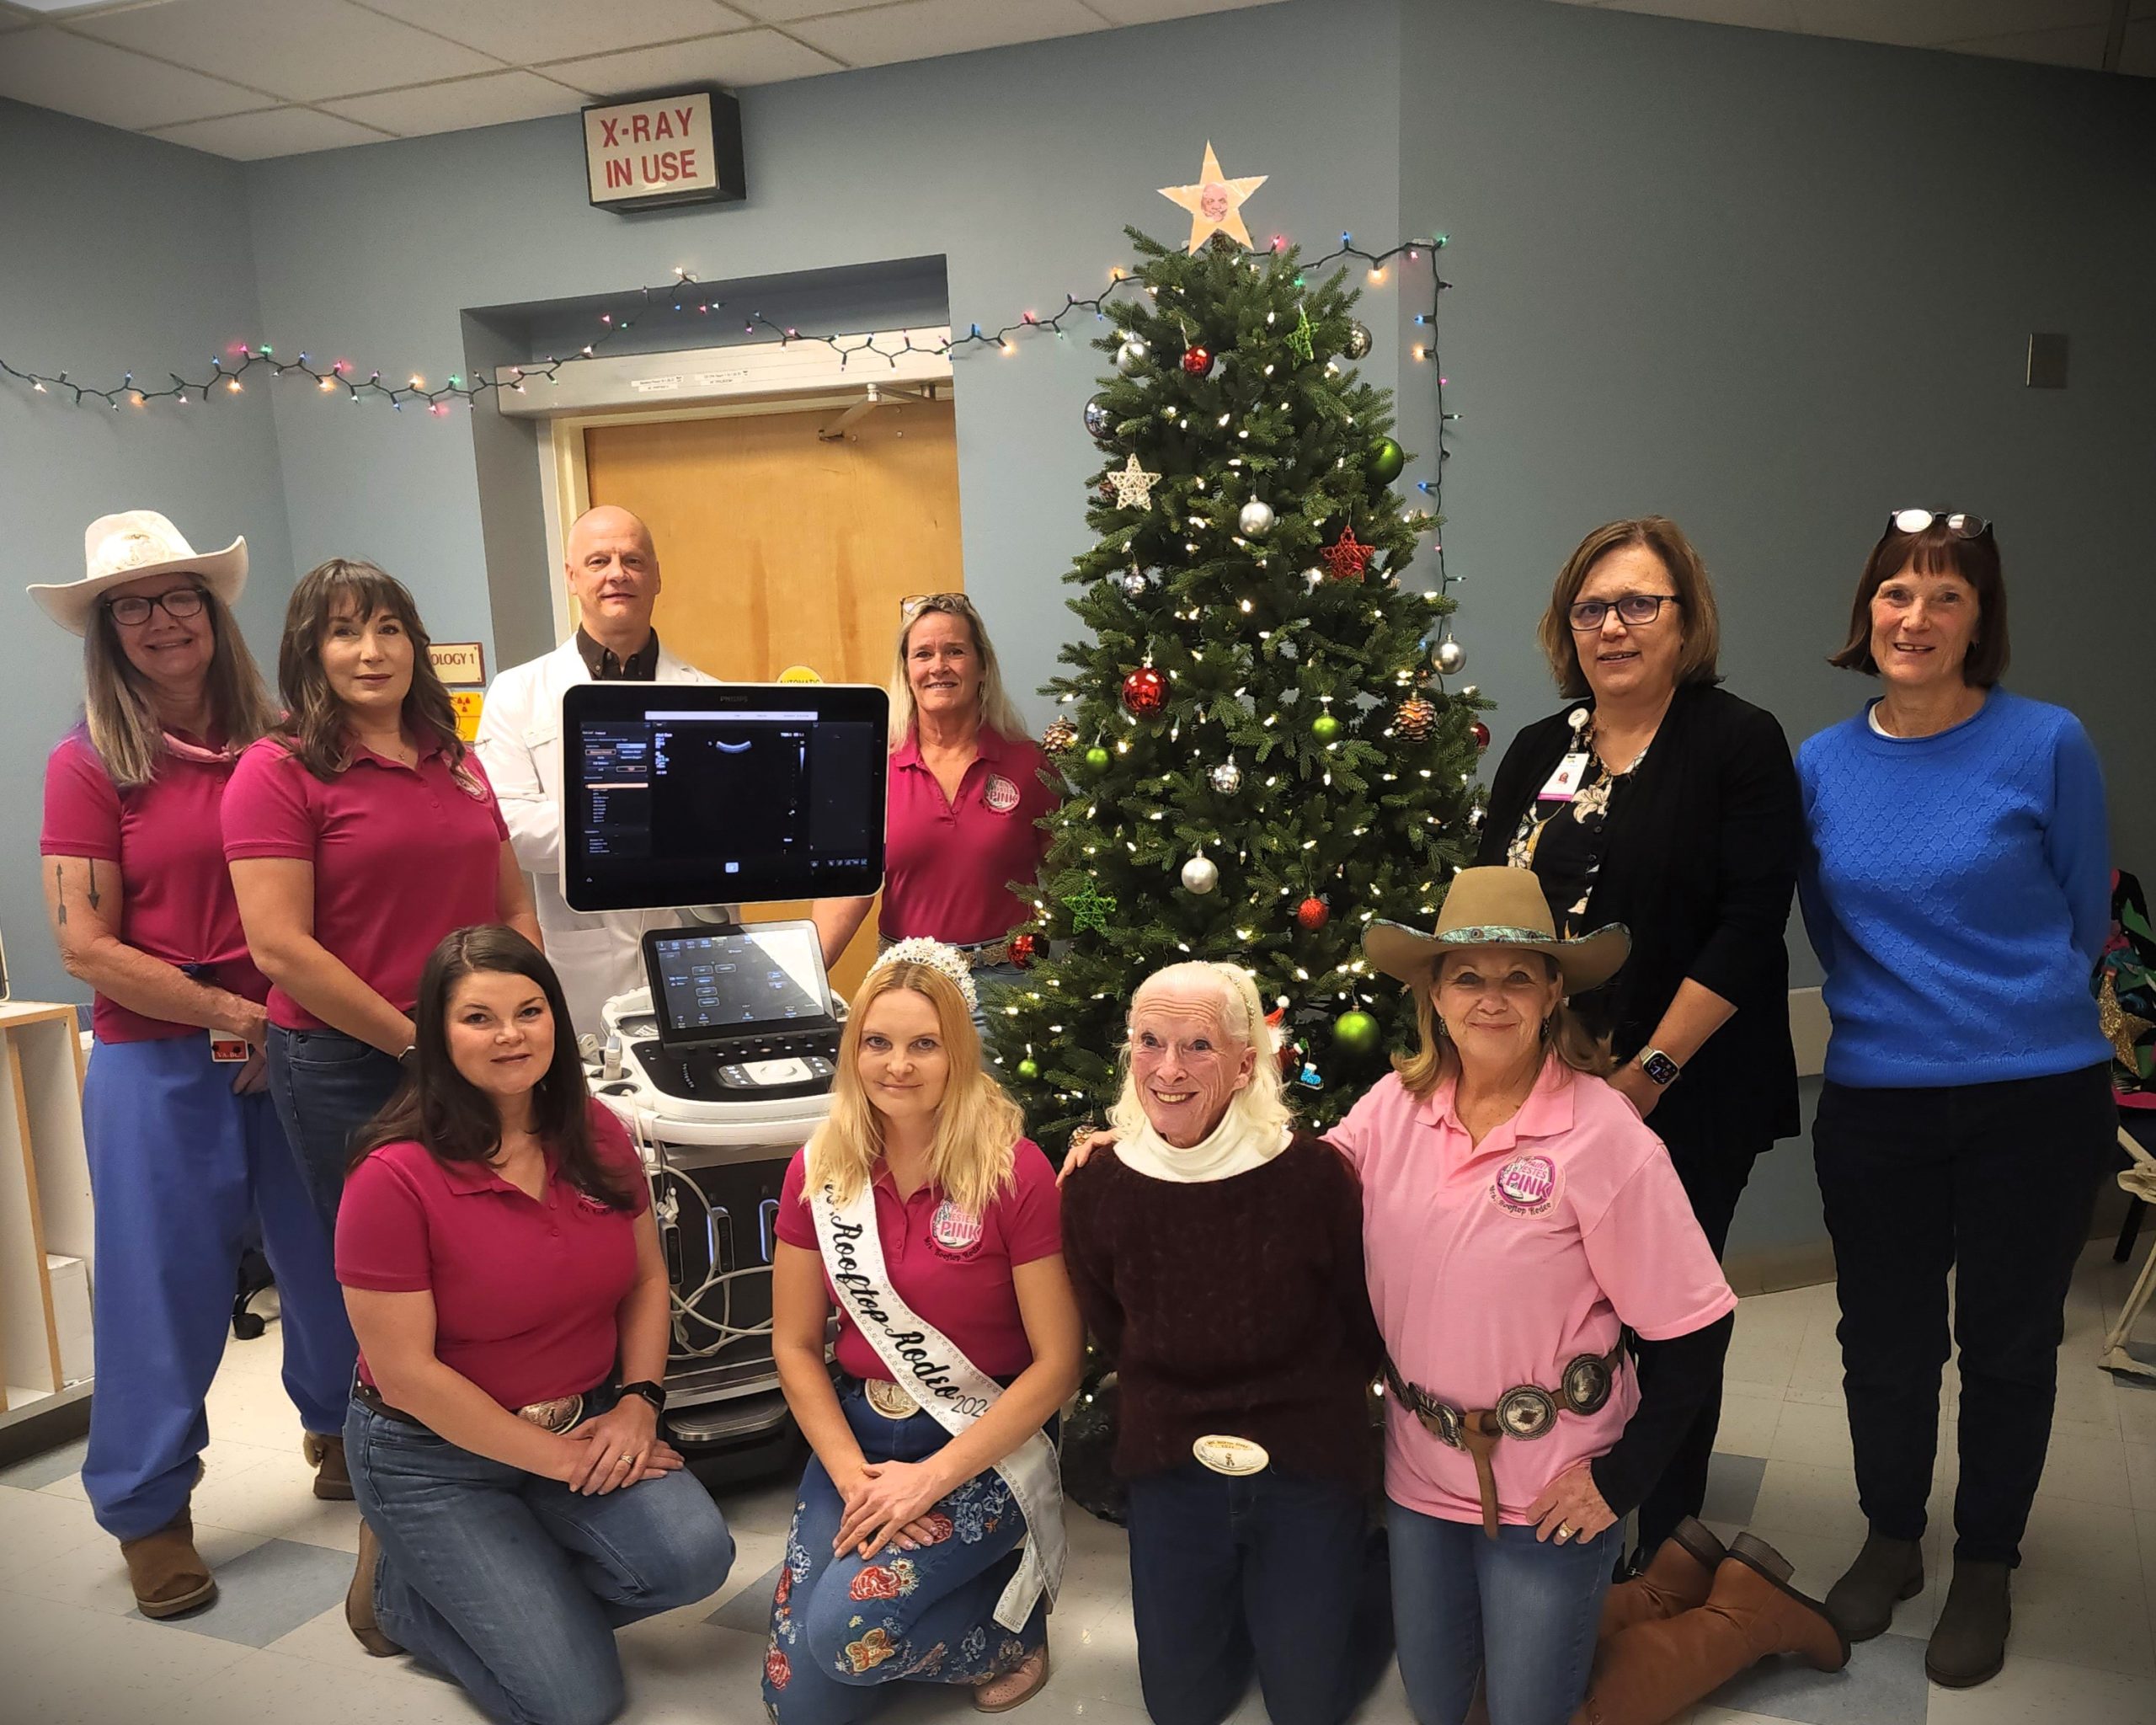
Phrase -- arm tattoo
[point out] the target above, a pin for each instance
(60, 893)
(93, 883)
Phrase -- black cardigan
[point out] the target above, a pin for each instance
(1700, 863)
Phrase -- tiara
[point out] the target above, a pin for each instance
(919, 949)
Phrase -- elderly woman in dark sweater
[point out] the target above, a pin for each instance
(1216, 1255)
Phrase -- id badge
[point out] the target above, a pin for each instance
(1564, 784)
(228, 1050)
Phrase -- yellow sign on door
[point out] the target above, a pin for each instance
(468, 703)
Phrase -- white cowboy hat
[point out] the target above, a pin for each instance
(127, 546)
(1497, 907)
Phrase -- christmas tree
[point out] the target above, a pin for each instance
(1259, 756)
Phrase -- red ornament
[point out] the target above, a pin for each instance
(1312, 914)
(1145, 691)
(1196, 360)
(1347, 556)
(1481, 734)
(1024, 949)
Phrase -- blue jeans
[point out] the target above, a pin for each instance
(326, 1086)
(1522, 1613)
(1278, 1573)
(514, 1585)
(843, 1628)
(179, 1166)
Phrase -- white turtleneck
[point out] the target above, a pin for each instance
(1228, 1150)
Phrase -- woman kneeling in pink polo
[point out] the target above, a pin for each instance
(1517, 1219)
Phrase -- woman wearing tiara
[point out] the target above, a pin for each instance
(927, 1536)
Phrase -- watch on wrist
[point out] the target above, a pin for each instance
(409, 1057)
(1658, 1066)
(651, 1393)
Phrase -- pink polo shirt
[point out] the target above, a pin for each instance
(951, 1267)
(1495, 1265)
(948, 862)
(402, 854)
(525, 1289)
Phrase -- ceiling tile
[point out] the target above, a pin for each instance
(301, 49)
(919, 29)
(2139, 57)
(2083, 45)
(492, 98)
(785, 11)
(49, 68)
(280, 132)
(1928, 23)
(1122, 12)
(524, 32)
(745, 57)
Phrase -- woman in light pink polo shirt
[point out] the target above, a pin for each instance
(1518, 1218)
(359, 835)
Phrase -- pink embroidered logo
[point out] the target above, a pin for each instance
(955, 1231)
(1527, 1186)
(999, 793)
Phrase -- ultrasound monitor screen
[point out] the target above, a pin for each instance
(707, 984)
(678, 794)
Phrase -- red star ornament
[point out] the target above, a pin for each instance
(1347, 558)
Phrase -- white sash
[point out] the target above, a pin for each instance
(951, 1389)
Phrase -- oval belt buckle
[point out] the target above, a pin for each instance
(1235, 1457)
(1527, 1411)
(890, 1399)
(1588, 1382)
(1443, 1421)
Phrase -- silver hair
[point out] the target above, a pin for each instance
(1259, 1107)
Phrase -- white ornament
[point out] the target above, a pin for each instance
(1131, 356)
(1227, 778)
(1255, 520)
(1199, 875)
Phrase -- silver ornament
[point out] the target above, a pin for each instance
(1227, 778)
(1199, 875)
(1449, 657)
(1255, 520)
(1133, 582)
(1130, 358)
(1100, 422)
(1358, 341)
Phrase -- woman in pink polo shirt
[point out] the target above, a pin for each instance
(359, 835)
(504, 1274)
(1518, 1218)
(184, 1147)
(927, 1539)
(965, 800)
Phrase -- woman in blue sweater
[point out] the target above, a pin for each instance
(1955, 886)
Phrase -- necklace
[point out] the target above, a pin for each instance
(1589, 806)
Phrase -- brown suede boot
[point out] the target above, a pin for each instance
(1654, 1669)
(1678, 1577)
(332, 1478)
(359, 1598)
(167, 1572)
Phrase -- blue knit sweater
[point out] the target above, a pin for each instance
(1957, 890)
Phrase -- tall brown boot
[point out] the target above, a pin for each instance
(165, 1570)
(1654, 1669)
(1678, 1577)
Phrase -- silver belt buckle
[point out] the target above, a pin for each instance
(1588, 1382)
(890, 1399)
(558, 1415)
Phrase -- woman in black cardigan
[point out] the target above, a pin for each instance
(1662, 802)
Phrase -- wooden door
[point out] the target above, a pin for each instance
(778, 549)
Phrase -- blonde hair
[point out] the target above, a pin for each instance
(1566, 1040)
(997, 712)
(977, 1124)
(1701, 622)
(122, 718)
(1259, 1108)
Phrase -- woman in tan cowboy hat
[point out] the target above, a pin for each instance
(1517, 1219)
(185, 1150)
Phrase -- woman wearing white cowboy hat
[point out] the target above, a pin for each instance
(1517, 1219)
(185, 1146)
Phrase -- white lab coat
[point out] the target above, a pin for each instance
(597, 954)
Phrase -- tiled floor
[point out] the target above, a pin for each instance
(74, 1652)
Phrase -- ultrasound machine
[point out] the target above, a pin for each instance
(679, 796)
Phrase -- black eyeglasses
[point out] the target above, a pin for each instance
(131, 610)
(1916, 521)
(1634, 608)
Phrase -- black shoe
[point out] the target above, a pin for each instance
(1969, 1645)
(1885, 1572)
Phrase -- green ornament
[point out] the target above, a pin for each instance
(1029, 1068)
(1387, 458)
(1355, 1031)
(1097, 758)
(1300, 339)
(1090, 909)
(1325, 728)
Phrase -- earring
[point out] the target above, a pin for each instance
(1548, 1031)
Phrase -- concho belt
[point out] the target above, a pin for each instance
(1525, 1412)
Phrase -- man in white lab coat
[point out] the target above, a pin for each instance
(613, 572)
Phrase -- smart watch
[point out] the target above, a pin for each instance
(1658, 1066)
(650, 1391)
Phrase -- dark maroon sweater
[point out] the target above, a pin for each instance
(1235, 1306)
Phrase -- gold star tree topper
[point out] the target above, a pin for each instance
(1215, 203)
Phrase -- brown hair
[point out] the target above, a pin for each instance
(453, 1118)
(1695, 594)
(1436, 1060)
(122, 716)
(315, 720)
(1936, 550)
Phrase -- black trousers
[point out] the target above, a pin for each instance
(1995, 1182)
(1714, 1172)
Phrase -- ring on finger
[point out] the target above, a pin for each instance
(1564, 1531)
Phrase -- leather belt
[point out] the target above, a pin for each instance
(557, 1414)
(1525, 1412)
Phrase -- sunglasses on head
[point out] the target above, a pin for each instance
(940, 601)
(1916, 520)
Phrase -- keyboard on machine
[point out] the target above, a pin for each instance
(770, 1066)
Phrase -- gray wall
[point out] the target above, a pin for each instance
(119, 253)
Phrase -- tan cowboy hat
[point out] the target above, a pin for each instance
(127, 546)
(1497, 907)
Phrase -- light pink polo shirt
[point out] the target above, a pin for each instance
(948, 862)
(1494, 1266)
(402, 854)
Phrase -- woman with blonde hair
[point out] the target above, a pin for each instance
(927, 1539)
(965, 801)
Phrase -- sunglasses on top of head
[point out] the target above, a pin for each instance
(1919, 520)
